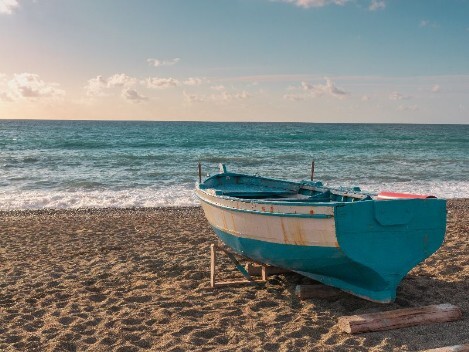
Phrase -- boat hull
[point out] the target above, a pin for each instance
(364, 248)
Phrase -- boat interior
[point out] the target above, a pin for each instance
(265, 189)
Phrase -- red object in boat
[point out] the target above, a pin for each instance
(393, 195)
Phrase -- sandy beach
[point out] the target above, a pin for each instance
(138, 279)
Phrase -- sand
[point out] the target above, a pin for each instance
(138, 279)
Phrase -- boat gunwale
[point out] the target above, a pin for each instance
(300, 184)
(251, 211)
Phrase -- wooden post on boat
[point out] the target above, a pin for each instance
(312, 170)
(200, 172)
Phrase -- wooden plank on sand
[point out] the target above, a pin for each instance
(256, 270)
(456, 348)
(316, 291)
(399, 318)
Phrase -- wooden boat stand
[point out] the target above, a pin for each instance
(248, 271)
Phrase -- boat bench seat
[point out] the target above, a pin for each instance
(252, 194)
(245, 191)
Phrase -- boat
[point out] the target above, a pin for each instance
(362, 243)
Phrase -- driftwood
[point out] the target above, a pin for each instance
(316, 291)
(399, 318)
(456, 348)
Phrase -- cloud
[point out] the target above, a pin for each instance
(436, 88)
(427, 23)
(407, 108)
(314, 3)
(4, 96)
(133, 96)
(158, 62)
(97, 86)
(315, 91)
(218, 88)
(365, 98)
(193, 81)
(377, 5)
(295, 97)
(161, 83)
(31, 86)
(398, 96)
(223, 96)
(121, 80)
(323, 89)
(7, 7)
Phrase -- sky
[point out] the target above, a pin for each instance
(379, 61)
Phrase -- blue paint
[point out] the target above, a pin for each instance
(391, 237)
(328, 265)
(379, 241)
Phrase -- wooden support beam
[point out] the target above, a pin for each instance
(231, 256)
(316, 291)
(238, 283)
(256, 270)
(213, 259)
(455, 348)
(399, 318)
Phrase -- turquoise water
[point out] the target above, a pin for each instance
(71, 164)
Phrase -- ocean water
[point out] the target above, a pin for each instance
(75, 164)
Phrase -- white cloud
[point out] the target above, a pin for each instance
(315, 91)
(193, 98)
(7, 7)
(158, 62)
(193, 81)
(436, 88)
(97, 86)
(323, 89)
(121, 80)
(407, 108)
(398, 96)
(427, 23)
(4, 96)
(218, 88)
(365, 98)
(295, 97)
(133, 96)
(31, 86)
(161, 83)
(377, 5)
(221, 97)
(314, 3)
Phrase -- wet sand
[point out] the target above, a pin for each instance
(134, 280)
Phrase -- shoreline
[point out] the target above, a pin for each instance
(117, 209)
(137, 279)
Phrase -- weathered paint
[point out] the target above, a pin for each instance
(359, 245)
(277, 229)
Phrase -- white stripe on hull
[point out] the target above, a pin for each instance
(270, 207)
(274, 228)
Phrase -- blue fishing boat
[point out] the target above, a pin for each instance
(359, 242)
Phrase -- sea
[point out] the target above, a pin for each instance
(127, 164)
